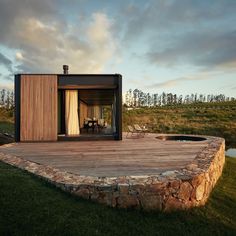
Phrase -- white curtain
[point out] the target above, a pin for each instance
(97, 112)
(94, 111)
(72, 119)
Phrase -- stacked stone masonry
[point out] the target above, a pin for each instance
(171, 190)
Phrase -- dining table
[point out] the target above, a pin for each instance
(92, 124)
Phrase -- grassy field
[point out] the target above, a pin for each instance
(6, 121)
(216, 119)
(30, 206)
(6, 127)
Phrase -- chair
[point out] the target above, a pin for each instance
(101, 124)
(89, 123)
(133, 132)
(141, 130)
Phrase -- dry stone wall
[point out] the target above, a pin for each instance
(171, 190)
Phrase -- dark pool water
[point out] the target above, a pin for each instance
(231, 152)
(181, 138)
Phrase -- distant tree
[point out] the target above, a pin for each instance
(192, 98)
(136, 98)
(2, 97)
(159, 100)
(12, 102)
(163, 99)
(7, 102)
(149, 100)
(187, 99)
(155, 99)
(201, 97)
(195, 98)
(169, 98)
(180, 99)
(174, 99)
(128, 98)
(210, 98)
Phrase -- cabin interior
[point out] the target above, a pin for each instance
(86, 113)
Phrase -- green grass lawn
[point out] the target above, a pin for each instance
(6, 121)
(6, 127)
(30, 206)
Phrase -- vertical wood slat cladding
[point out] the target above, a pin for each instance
(38, 106)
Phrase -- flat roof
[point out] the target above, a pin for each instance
(69, 74)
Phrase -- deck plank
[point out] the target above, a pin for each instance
(144, 156)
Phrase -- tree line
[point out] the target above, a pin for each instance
(138, 98)
(6, 99)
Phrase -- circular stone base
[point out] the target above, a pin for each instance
(181, 188)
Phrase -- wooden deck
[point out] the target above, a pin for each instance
(143, 156)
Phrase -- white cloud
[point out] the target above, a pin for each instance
(202, 75)
(44, 38)
(46, 47)
(98, 30)
(19, 56)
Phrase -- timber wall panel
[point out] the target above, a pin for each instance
(38, 105)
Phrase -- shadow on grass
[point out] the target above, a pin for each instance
(30, 206)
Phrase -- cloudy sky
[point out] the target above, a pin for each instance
(178, 46)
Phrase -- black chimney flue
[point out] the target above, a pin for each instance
(65, 69)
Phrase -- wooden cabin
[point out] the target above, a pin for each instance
(52, 107)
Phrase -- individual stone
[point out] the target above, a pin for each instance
(136, 189)
(175, 184)
(173, 204)
(94, 195)
(196, 180)
(104, 187)
(170, 173)
(158, 188)
(127, 201)
(123, 188)
(191, 167)
(122, 180)
(208, 188)
(207, 177)
(200, 191)
(83, 192)
(151, 202)
(185, 191)
(104, 198)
